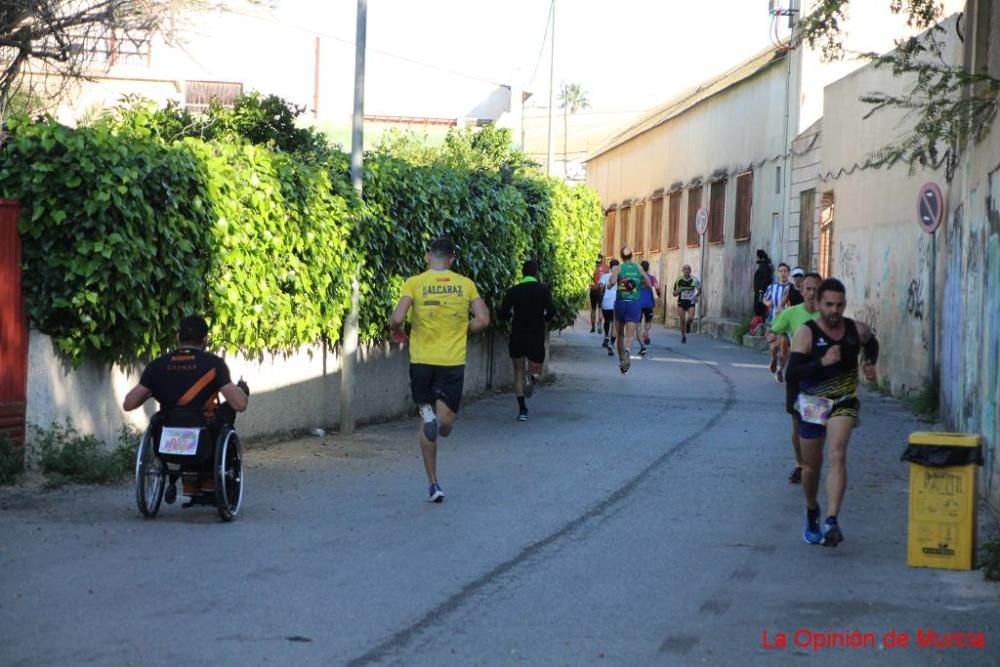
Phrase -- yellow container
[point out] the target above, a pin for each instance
(942, 527)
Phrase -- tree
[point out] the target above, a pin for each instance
(572, 98)
(47, 44)
(949, 103)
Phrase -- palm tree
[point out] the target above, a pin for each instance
(572, 98)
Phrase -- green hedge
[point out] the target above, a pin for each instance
(127, 228)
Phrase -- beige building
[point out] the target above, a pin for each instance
(717, 147)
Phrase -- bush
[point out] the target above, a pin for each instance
(68, 457)
(11, 460)
(143, 217)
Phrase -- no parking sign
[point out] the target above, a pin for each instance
(930, 207)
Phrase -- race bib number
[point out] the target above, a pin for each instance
(179, 441)
(687, 294)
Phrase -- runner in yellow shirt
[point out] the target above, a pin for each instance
(441, 300)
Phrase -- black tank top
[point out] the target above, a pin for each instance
(840, 379)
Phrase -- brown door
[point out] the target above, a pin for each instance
(13, 327)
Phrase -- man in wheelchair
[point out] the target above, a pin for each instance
(187, 383)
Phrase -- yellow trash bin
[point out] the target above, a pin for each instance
(942, 526)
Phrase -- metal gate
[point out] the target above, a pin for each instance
(13, 327)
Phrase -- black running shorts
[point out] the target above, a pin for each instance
(685, 304)
(527, 345)
(595, 297)
(433, 383)
(647, 314)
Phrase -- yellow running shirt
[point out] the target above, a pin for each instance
(440, 317)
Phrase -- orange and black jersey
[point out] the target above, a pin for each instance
(187, 376)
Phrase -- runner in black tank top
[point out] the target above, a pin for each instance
(824, 362)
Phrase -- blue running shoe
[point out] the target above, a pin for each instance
(435, 494)
(811, 534)
(832, 535)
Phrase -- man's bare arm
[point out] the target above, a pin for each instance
(398, 316)
(235, 397)
(480, 315)
(136, 396)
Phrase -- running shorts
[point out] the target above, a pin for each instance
(531, 345)
(430, 383)
(627, 311)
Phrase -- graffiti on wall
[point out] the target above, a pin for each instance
(915, 299)
(849, 262)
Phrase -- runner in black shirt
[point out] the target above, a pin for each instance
(531, 303)
(189, 380)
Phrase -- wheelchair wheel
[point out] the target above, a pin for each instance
(150, 477)
(228, 475)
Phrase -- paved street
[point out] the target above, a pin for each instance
(634, 520)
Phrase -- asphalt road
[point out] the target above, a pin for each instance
(634, 520)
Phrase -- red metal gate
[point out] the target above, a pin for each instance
(13, 327)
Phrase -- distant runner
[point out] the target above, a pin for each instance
(531, 304)
(628, 278)
(600, 270)
(608, 294)
(687, 288)
(647, 301)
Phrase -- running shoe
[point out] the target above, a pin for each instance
(625, 364)
(684, 338)
(832, 535)
(529, 385)
(646, 339)
(435, 494)
(611, 352)
(522, 416)
(605, 343)
(779, 376)
(796, 476)
(811, 534)
(642, 350)
(774, 366)
(592, 329)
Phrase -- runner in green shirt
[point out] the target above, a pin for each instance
(628, 278)
(783, 328)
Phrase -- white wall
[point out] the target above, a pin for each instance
(288, 392)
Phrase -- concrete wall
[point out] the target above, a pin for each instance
(879, 250)
(969, 260)
(728, 133)
(288, 392)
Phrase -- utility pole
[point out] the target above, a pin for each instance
(552, 71)
(349, 349)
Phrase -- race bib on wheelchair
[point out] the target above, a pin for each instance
(179, 441)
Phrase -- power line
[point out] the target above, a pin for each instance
(337, 38)
(541, 49)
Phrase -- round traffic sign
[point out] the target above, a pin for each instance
(930, 207)
(701, 221)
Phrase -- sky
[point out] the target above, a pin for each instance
(628, 55)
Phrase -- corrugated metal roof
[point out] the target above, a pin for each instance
(692, 97)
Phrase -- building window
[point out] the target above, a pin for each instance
(655, 224)
(744, 205)
(624, 230)
(674, 221)
(777, 180)
(198, 95)
(609, 234)
(694, 203)
(807, 204)
(717, 212)
(826, 218)
(640, 229)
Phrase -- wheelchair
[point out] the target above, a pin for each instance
(183, 447)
